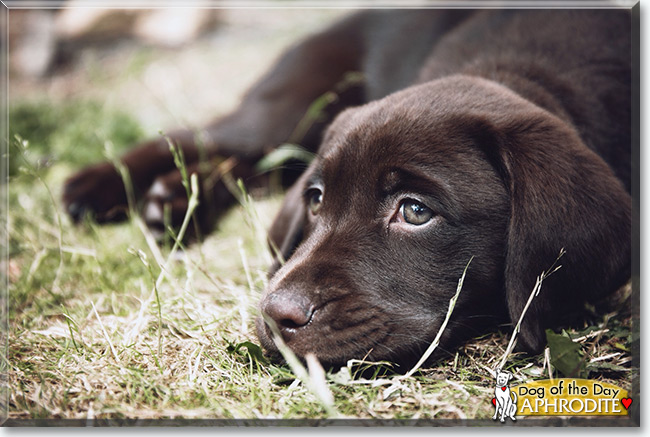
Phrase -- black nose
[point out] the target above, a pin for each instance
(289, 310)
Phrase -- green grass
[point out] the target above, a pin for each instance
(73, 132)
(92, 336)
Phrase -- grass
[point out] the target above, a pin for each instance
(97, 331)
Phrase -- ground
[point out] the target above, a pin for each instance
(103, 324)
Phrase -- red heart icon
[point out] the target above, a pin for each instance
(503, 389)
(494, 401)
(626, 402)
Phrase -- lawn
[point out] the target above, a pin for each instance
(106, 325)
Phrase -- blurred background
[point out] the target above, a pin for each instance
(80, 76)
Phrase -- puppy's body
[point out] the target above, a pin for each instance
(498, 135)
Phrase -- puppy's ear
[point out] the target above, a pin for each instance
(286, 232)
(562, 195)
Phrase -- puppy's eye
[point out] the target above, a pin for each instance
(414, 212)
(314, 200)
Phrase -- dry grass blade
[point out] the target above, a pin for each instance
(106, 336)
(397, 381)
(22, 145)
(238, 189)
(436, 341)
(534, 293)
(192, 203)
(318, 381)
(314, 380)
(150, 240)
(243, 297)
(547, 363)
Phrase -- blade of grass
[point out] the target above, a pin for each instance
(108, 339)
(131, 202)
(72, 327)
(22, 144)
(320, 390)
(397, 382)
(316, 111)
(436, 341)
(181, 165)
(238, 189)
(243, 297)
(143, 259)
(193, 203)
(534, 293)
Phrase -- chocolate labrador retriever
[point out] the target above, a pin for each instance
(502, 135)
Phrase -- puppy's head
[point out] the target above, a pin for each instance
(405, 191)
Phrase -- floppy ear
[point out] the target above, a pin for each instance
(286, 232)
(562, 195)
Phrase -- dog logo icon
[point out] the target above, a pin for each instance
(505, 401)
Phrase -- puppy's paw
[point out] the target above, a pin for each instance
(166, 204)
(97, 190)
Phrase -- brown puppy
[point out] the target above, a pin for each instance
(498, 135)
